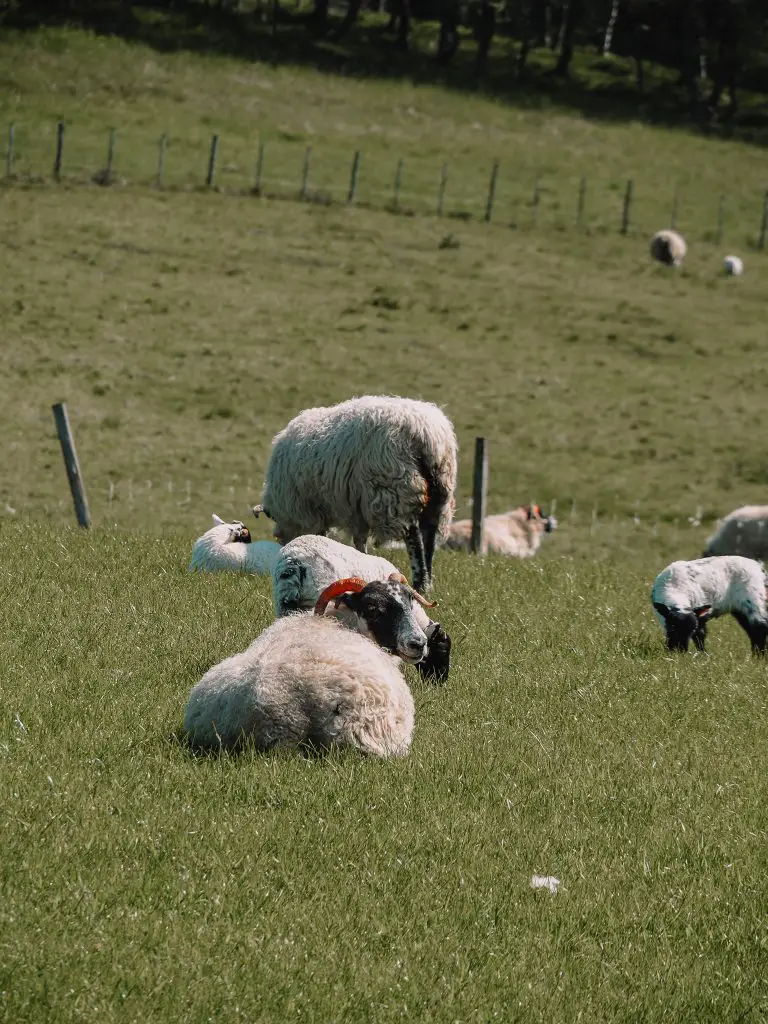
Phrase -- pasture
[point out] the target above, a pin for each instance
(184, 328)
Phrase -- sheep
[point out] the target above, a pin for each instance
(228, 546)
(377, 465)
(308, 564)
(733, 266)
(668, 247)
(322, 678)
(686, 595)
(742, 532)
(516, 534)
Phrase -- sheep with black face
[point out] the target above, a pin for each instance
(323, 678)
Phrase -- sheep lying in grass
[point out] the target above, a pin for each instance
(733, 266)
(228, 547)
(742, 532)
(668, 247)
(686, 595)
(377, 465)
(308, 564)
(516, 534)
(332, 677)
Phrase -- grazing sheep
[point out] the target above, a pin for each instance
(733, 266)
(742, 532)
(377, 465)
(323, 678)
(228, 547)
(686, 595)
(516, 534)
(308, 564)
(668, 247)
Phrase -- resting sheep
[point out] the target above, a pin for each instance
(742, 532)
(668, 247)
(376, 465)
(686, 595)
(308, 564)
(733, 266)
(228, 547)
(331, 677)
(516, 534)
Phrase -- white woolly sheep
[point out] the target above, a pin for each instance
(733, 266)
(742, 532)
(309, 564)
(686, 595)
(516, 534)
(668, 247)
(320, 679)
(376, 465)
(228, 547)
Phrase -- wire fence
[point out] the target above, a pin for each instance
(458, 187)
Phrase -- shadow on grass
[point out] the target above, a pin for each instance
(599, 89)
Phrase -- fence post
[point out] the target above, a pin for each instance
(259, 166)
(479, 495)
(398, 182)
(161, 159)
(441, 190)
(59, 151)
(536, 200)
(763, 223)
(673, 218)
(627, 207)
(11, 136)
(720, 220)
(491, 191)
(110, 154)
(305, 174)
(581, 202)
(352, 194)
(210, 178)
(73, 466)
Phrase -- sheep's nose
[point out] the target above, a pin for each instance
(415, 646)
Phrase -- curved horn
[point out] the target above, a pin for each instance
(397, 577)
(349, 585)
(217, 520)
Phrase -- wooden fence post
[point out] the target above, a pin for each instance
(259, 166)
(73, 466)
(675, 200)
(627, 207)
(398, 182)
(352, 194)
(110, 154)
(491, 192)
(581, 202)
(763, 223)
(479, 495)
(305, 174)
(720, 220)
(441, 190)
(9, 161)
(161, 159)
(210, 178)
(59, 151)
(536, 200)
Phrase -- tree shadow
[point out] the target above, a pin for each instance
(599, 89)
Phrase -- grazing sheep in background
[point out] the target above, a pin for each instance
(668, 247)
(376, 465)
(742, 532)
(686, 595)
(516, 534)
(733, 266)
(323, 678)
(308, 564)
(228, 547)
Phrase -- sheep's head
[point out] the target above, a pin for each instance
(382, 610)
(237, 531)
(533, 512)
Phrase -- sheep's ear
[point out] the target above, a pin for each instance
(217, 521)
(702, 612)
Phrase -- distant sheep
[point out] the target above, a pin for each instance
(332, 677)
(742, 532)
(516, 534)
(686, 595)
(309, 564)
(227, 547)
(668, 247)
(733, 266)
(376, 466)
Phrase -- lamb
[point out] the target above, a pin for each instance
(228, 547)
(686, 595)
(376, 465)
(668, 247)
(516, 534)
(308, 564)
(323, 678)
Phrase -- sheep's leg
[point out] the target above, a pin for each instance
(756, 631)
(361, 542)
(429, 538)
(699, 636)
(414, 544)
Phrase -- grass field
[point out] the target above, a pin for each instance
(183, 329)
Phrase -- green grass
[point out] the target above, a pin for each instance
(184, 329)
(141, 883)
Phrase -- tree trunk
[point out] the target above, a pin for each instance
(570, 19)
(353, 9)
(609, 28)
(484, 31)
(320, 16)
